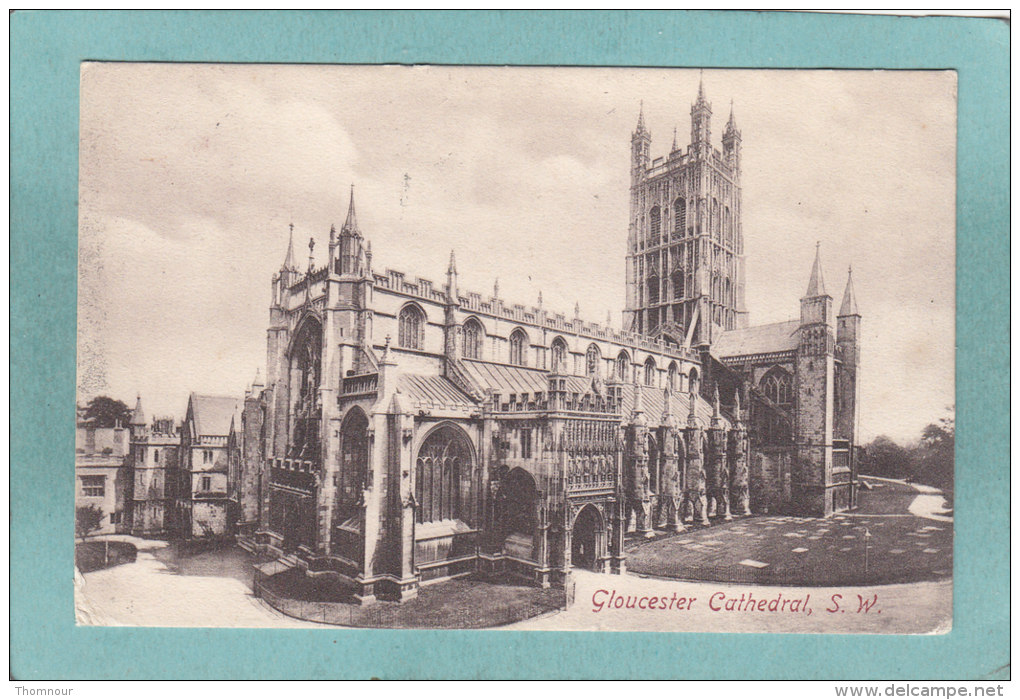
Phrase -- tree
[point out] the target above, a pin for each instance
(883, 457)
(936, 454)
(87, 520)
(104, 412)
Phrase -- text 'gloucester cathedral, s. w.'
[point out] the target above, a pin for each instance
(409, 431)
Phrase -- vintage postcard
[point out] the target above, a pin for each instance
(665, 350)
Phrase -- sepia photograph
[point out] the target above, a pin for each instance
(515, 348)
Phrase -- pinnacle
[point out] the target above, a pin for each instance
(816, 286)
(849, 305)
(351, 224)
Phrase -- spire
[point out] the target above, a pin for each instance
(816, 286)
(351, 224)
(675, 146)
(849, 305)
(540, 298)
(641, 118)
(736, 404)
(667, 406)
(311, 254)
(288, 262)
(731, 125)
(138, 416)
(452, 269)
(577, 309)
(701, 85)
(495, 289)
(609, 319)
(258, 378)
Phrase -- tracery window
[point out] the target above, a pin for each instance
(650, 372)
(622, 366)
(776, 385)
(679, 216)
(656, 224)
(442, 461)
(653, 290)
(592, 359)
(671, 377)
(411, 324)
(353, 462)
(559, 355)
(678, 284)
(473, 335)
(518, 348)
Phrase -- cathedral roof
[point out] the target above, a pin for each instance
(506, 379)
(432, 391)
(652, 401)
(212, 414)
(757, 340)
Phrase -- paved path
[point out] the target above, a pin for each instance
(148, 593)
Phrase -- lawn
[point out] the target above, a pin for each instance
(879, 543)
(467, 603)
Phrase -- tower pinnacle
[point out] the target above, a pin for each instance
(816, 286)
(351, 224)
(641, 117)
(288, 262)
(849, 305)
(138, 416)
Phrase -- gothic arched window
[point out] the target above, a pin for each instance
(411, 326)
(678, 284)
(653, 290)
(671, 377)
(473, 334)
(679, 216)
(518, 348)
(777, 386)
(305, 376)
(592, 360)
(656, 224)
(650, 372)
(353, 463)
(443, 460)
(622, 366)
(559, 355)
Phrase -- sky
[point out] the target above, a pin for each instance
(190, 175)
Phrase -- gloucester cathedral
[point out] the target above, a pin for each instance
(409, 431)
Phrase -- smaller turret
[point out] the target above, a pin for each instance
(731, 143)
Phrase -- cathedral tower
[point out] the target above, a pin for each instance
(685, 252)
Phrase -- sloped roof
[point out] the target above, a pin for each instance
(432, 391)
(506, 379)
(652, 401)
(757, 340)
(212, 414)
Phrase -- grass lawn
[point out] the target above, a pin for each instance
(467, 603)
(901, 548)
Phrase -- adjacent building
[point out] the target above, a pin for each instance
(103, 474)
(202, 502)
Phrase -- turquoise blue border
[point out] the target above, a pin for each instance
(46, 49)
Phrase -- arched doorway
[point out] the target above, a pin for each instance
(515, 513)
(586, 539)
